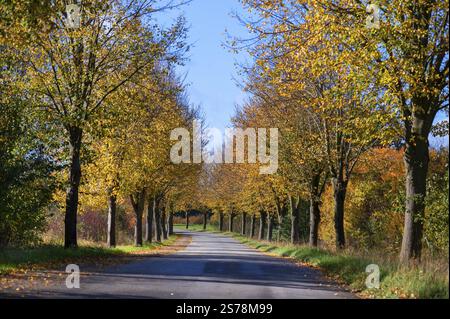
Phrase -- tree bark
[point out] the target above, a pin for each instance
(70, 220)
(269, 227)
(205, 220)
(295, 216)
(281, 212)
(339, 193)
(314, 222)
(230, 222)
(187, 220)
(138, 230)
(138, 205)
(170, 222)
(314, 209)
(243, 223)
(252, 226)
(112, 207)
(262, 224)
(220, 221)
(163, 223)
(416, 160)
(149, 229)
(158, 226)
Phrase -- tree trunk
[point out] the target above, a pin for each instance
(164, 223)
(281, 211)
(252, 226)
(187, 220)
(170, 222)
(269, 227)
(149, 229)
(112, 206)
(70, 220)
(339, 192)
(416, 160)
(230, 222)
(314, 210)
(158, 226)
(295, 227)
(243, 223)
(279, 227)
(314, 221)
(138, 206)
(262, 224)
(221, 221)
(138, 230)
(205, 220)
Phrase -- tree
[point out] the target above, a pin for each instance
(415, 38)
(71, 72)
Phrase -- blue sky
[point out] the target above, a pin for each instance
(211, 67)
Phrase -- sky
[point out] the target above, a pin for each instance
(210, 71)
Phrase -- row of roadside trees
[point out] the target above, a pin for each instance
(341, 91)
(87, 110)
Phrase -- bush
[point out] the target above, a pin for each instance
(26, 179)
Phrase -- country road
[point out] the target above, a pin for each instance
(212, 266)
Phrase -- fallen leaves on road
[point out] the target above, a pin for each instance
(32, 277)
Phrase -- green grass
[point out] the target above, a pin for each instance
(349, 268)
(197, 227)
(12, 259)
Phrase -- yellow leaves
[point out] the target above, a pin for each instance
(133, 149)
(326, 79)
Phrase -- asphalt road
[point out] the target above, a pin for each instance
(212, 266)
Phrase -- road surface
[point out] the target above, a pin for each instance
(212, 266)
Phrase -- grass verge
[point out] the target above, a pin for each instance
(15, 259)
(348, 268)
